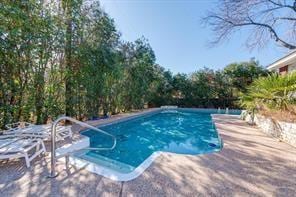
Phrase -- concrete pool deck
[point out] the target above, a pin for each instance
(251, 163)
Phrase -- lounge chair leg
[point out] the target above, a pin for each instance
(37, 149)
(67, 161)
(43, 147)
(27, 160)
(70, 133)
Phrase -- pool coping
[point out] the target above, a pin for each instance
(113, 174)
(118, 176)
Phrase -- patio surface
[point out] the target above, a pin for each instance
(250, 163)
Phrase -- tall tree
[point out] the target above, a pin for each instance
(242, 74)
(140, 60)
(72, 10)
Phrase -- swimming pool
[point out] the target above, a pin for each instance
(142, 138)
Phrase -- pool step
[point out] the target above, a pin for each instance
(90, 156)
(83, 142)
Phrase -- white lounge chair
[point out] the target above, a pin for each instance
(41, 131)
(62, 132)
(12, 147)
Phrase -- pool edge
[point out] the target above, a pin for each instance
(117, 176)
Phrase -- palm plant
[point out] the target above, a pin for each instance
(272, 92)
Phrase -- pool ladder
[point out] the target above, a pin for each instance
(53, 159)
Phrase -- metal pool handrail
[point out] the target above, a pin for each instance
(53, 172)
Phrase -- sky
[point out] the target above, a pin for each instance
(178, 37)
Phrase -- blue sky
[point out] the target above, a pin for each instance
(177, 36)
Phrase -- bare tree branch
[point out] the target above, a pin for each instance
(267, 17)
(285, 18)
(280, 5)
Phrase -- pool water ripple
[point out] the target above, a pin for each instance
(182, 132)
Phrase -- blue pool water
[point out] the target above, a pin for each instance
(177, 131)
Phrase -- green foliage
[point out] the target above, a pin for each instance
(274, 92)
(66, 57)
(243, 74)
(206, 87)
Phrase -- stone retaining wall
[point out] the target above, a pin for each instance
(282, 130)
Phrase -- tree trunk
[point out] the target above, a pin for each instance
(68, 60)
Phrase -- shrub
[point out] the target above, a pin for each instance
(274, 92)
